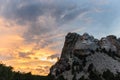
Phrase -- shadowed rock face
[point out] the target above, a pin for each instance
(85, 58)
(69, 44)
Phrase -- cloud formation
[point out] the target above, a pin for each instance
(53, 56)
(42, 19)
(42, 16)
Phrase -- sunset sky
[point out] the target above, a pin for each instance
(32, 31)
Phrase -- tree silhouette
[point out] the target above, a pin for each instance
(7, 73)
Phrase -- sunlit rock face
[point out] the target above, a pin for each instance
(85, 58)
(86, 42)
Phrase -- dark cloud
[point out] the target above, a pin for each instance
(29, 10)
(24, 54)
(43, 17)
(53, 56)
(43, 69)
(23, 11)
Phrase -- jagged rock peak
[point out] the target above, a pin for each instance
(75, 41)
(85, 58)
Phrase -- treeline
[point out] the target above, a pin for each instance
(7, 73)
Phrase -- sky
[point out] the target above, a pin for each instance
(32, 32)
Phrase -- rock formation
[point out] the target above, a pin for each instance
(86, 58)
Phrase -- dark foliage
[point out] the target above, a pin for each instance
(82, 78)
(107, 75)
(104, 50)
(117, 77)
(7, 73)
(61, 78)
(84, 62)
(90, 67)
(74, 77)
(92, 51)
(94, 75)
(73, 71)
(97, 50)
(80, 68)
(68, 67)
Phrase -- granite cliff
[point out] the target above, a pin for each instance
(85, 58)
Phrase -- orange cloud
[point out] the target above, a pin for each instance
(23, 56)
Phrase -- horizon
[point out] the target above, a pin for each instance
(32, 31)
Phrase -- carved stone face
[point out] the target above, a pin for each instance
(86, 36)
(105, 41)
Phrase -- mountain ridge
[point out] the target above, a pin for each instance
(84, 57)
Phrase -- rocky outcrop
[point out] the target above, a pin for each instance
(69, 44)
(86, 58)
